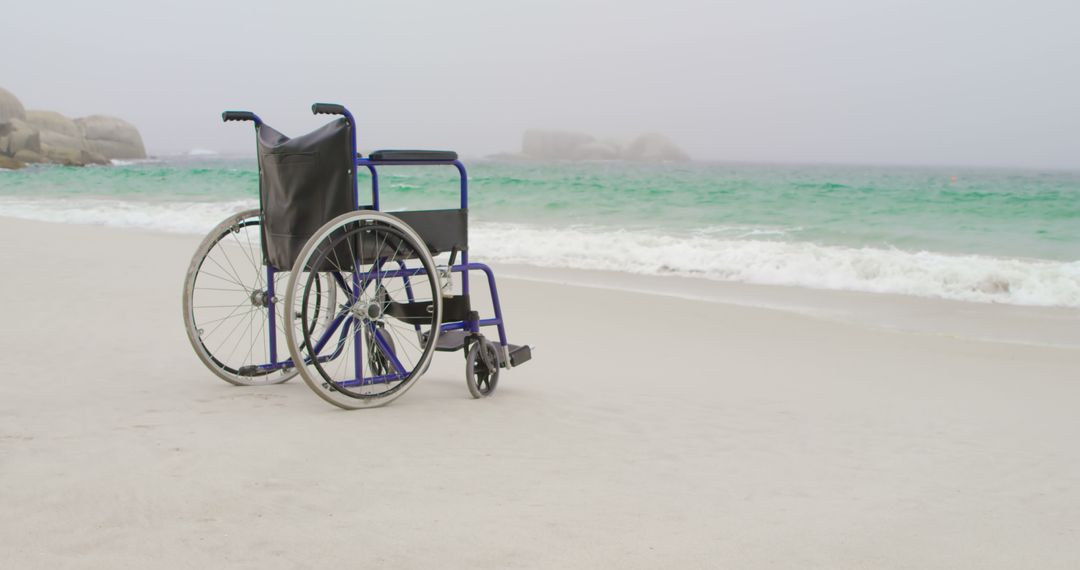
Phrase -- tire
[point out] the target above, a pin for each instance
(227, 327)
(331, 359)
(482, 368)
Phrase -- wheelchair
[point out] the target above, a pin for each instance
(320, 283)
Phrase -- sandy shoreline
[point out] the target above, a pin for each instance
(648, 432)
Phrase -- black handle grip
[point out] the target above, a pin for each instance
(328, 109)
(239, 116)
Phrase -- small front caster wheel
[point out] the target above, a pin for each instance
(482, 368)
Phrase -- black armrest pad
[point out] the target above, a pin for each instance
(415, 155)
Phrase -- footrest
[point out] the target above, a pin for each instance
(451, 341)
(519, 354)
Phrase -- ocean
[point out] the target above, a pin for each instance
(982, 235)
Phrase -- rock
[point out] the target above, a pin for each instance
(62, 141)
(597, 150)
(66, 155)
(19, 136)
(10, 107)
(45, 136)
(554, 145)
(9, 163)
(654, 147)
(53, 121)
(507, 156)
(567, 145)
(111, 137)
(25, 155)
(63, 149)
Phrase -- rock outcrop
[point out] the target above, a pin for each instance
(10, 107)
(62, 141)
(112, 137)
(567, 145)
(20, 141)
(553, 145)
(47, 136)
(654, 147)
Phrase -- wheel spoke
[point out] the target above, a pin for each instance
(375, 248)
(221, 318)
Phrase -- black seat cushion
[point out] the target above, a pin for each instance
(415, 155)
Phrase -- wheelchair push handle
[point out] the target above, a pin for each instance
(240, 116)
(329, 109)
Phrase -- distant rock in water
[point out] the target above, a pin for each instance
(47, 136)
(553, 145)
(567, 145)
(598, 150)
(654, 147)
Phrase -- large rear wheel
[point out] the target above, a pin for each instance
(376, 344)
(227, 304)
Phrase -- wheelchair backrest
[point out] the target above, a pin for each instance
(304, 182)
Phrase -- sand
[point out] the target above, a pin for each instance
(647, 432)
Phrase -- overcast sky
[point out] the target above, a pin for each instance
(852, 81)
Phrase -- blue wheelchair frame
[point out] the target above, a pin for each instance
(465, 267)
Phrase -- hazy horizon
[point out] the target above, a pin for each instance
(842, 82)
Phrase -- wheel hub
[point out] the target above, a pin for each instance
(367, 310)
(260, 298)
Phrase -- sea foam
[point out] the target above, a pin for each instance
(927, 274)
(739, 257)
(165, 216)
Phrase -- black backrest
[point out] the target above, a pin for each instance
(304, 182)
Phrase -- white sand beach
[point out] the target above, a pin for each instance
(647, 432)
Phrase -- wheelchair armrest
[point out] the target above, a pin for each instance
(414, 155)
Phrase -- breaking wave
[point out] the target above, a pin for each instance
(876, 270)
(725, 256)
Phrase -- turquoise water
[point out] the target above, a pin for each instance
(925, 231)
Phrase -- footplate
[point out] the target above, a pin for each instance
(450, 341)
(453, 341)
(519, 354)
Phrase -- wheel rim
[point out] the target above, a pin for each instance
(227, 305)
(372, 349)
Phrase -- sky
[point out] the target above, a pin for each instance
(947, 82)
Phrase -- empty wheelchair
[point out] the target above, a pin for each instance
(318, 282)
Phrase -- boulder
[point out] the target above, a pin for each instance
(10, 107)
(62, 141)
(53, 121)
(26, 155)
(8, 163)
(19, 136)
(111, 137)
(654, 147)
(45, 136)
(59, 151)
